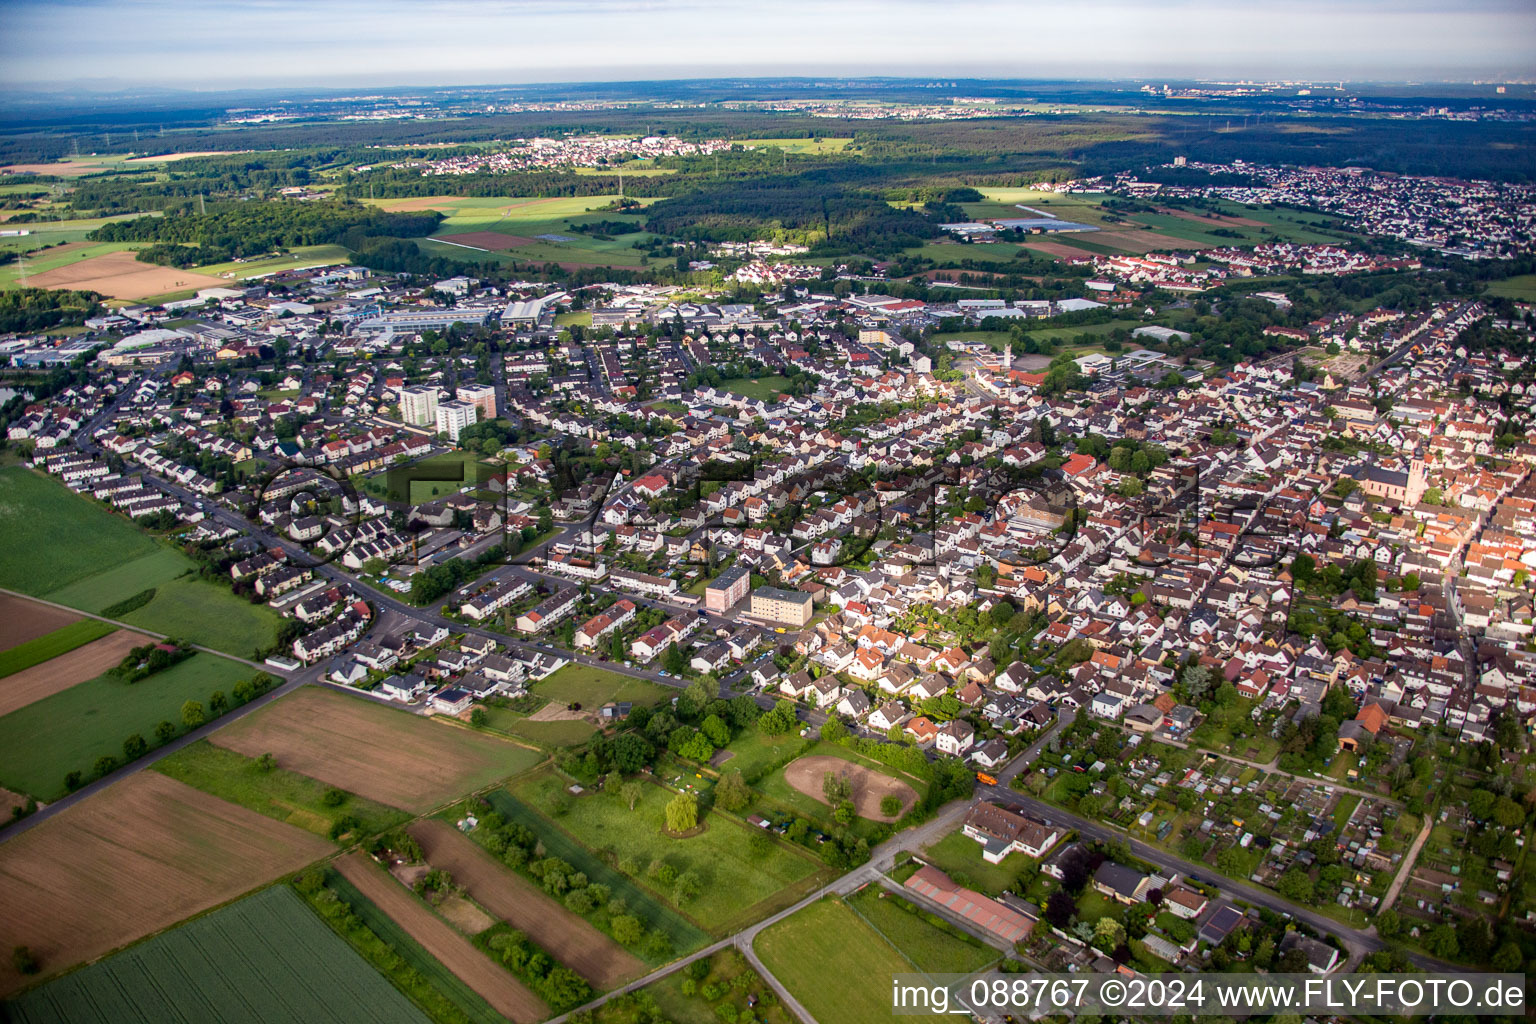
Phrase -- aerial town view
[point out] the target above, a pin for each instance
(626, 513)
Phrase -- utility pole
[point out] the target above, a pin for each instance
(202, 206)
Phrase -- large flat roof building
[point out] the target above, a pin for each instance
(783, 607)
(727, 589)
(418, 406)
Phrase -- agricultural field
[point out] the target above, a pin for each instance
(739, 882)
(276, 792)
(208, 613)
(136, 858)
(815, 146)
(264, 958)
(35, 510)
(509, 229)
(52, 645)
(598, 866)
(592, 687)
(564, 935)
(119, 275)
(809, 952)
(390, 756)
(109, 560)
(67, 731)
(22, 621)
(43, 678)
(492, 982)
(300, 258)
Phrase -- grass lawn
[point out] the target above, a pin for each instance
(936, 948)
(815, 145)
(36, 513)
(302, 256)
(835, 964)
(574, 317)
(777, 791)
(654, 912)
(1522, 288)
(754, 751)
(960, 858)
(1347, 804)
(51, 645)
(764, 388)
(593, 687)
(68, 731)
(209, 614)
(277, 793)
(569, 733)
(954, 253)
(738, 880)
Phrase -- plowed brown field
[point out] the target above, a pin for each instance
(32, 684)
(569, 938)
(133, 859)
(492, 981)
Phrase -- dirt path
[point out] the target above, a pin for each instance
(56, 674)
(869, 786)
(1405, 870)
(568, 937)
(493, 982)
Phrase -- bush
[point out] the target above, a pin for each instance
(24, 960)
(890, 805)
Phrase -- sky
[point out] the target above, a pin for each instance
(218, 44)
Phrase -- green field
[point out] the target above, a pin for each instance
(301, 256)
(781, 796)
(69, 730)
(652, 911)
(737, 880)
(277, 792)
(593, 687)
(448, 985)
(101, 590)
(529, 218)
(210, 614)
(37, 513)
(765, 388)
(265, 958)
(107, 559)
(560, 733)
(835, 964)
(815, 146)
(935, 948)
(51, 645)
(1522, 288)
(754, 751)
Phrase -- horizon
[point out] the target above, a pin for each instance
(275, 44)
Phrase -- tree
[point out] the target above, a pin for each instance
(478, 717)
(835, 788)
(165, 732)
(890, 805)
(266, 762)
(1296, 886)
(673, 660)
(631, 794)
(1441, 941)
(715, 728)
(192, 714)
(1388, 924)
(1197, 681)
(217, 703)
(1507, 958)
(732, 794)
(627, 930)
(833, 730)
(631, 752)
(1060, 908)
(682, 812)
(1108, 933)
(1508, 813)
(134, 747)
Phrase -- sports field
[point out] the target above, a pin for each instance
(393, 757)
(1522, 288)
(138, 857)
(276, 792)
(265, 958)
(868, 786)
(739, 882)
(766, 388)
(69, 730)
